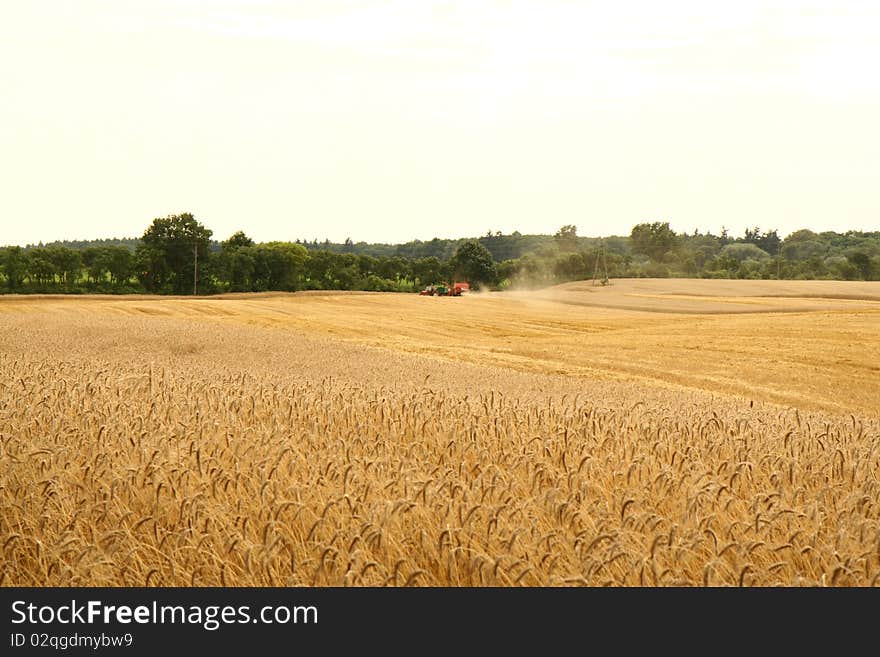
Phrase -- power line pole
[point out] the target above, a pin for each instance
(196, 267)
(600, 253)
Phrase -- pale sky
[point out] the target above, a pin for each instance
(397, 120)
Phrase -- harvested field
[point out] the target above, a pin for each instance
(649, 432)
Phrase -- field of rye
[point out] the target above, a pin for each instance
(167, 442)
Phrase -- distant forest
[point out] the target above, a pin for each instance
(178, 255)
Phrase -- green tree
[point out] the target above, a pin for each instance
(96, 263)
(151, 267)
(653, 240)
(14, 263)
(67, 263)
(236, 241)
(237, 264)
(345, 272)
(366, 265)
(41, 268)
(473, 262)
(277, 265)
(120, 264)
(768, 242)
(698, 250)
(393, 268)
(744, 251)
(572, 266)
(566, 238)
(427, 270)
(803, 249)
(167, 254)
(317, 269)
(237, 267)
(862, 263)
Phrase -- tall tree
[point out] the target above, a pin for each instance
(861, 261)
(279, 265)
(768, 241)
(566, 238)
(653, 240)
(67, 263)
(237, 262)
(120, 262)
(14, 263)
(96, 262)
(168, 252)
(41, 267)
(473, 262)
(236, 241)
(427, 270)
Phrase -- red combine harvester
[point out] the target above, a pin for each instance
(444, 290)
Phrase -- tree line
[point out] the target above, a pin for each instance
(178, 255)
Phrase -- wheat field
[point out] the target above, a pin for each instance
(647, 433)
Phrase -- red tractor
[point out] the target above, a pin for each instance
(444, 290)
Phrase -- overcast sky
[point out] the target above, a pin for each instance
(395, 120)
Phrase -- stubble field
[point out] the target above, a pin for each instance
(646, 433)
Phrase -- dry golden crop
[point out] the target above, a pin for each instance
(272, 441)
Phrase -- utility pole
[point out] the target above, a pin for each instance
(196, 267)
(600, 253)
